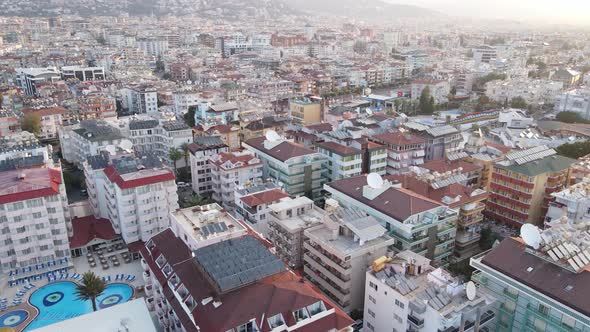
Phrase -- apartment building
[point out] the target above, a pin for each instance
(574, 100)
(440, 141)
(252, 204)
(34, 221)
(216, 113)
(484, 54)
(52, 118)
(96, 106)
(136, 194)
(338, 251)
(183, 100)
(522, 185)
(158, 137)
(205, 225)
(155, 46)
(439, 90)
(306, 111)
(468, 174)
(532, 91)
(229, 134)
(28, 78)
(405, 293)
(230, 170)
(287, 220)
(571, 203)
(342, 161)
(403, 150)
(533, 291)
(200, 150)
(86, 139)
(299, 169)
(374, 155)
(9, 122)
(140, 99)
(83, 73)
(23, 149)
(416, 222)
(254, 292)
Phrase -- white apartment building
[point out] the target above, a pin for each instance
(155, 46)
(201, 149)
(484, 54)
(230, 170)
(83, 73)
(287, 221)
(23, 145)
(252, 204)
(532, 91)
(405, 293)
(158, 137)
(27, 78)
(576, 100)
(403, 151)
(140, 99)
(34, 221)
(338, 251)
(205, 225)
(183, 100)
(88, 138)
(572, 204)
(343, 161)
(136, 195)
(52, 118)
(439, 90)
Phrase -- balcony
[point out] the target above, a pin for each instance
(550, 320)
(417, 323)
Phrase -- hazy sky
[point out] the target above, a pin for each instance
(573, 11)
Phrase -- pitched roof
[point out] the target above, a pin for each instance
(247, 160)
(443, 165)
(553, 163)
(398, 203)
(399, 139)
(89, 228)
(36, 183)
(139, 178)
(45, 111)
(264, 197)
(282, 151)
(339, 149)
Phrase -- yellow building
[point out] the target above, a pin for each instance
(230, 135)
(306, 111)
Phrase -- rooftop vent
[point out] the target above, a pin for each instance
(529, 269)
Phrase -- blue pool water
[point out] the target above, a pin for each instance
(57, 302)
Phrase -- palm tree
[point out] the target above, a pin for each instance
(175, 156)
(185, 152)
(91, 288)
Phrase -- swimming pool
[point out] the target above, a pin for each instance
(57, 302)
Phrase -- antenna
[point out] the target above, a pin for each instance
(374, 180)
(272, 136)
(530, 235)
(111, 149)
(471, 290)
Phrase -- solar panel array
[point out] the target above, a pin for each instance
(238, 262)
(528, 155)
(217, 227)
(458, 178)
(436, 298)
(397, 281)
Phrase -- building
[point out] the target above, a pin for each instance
(83, 73)
(439, 90)
(229, 134)
(188, 291)
(338, 251)
(343, 161)
(86, 139)
(440, 141)
(575, 100)
(568, 77)
(484, 54)
(572, 203)
(405, 293)
(287, 220)
(230, 170)
(34, 221)
(306, 111)
(136, 194)
(9, 122)
(205, 225)
(522, 185)
(155, 46)
(52, 118)
(200, 150)
(299, 169)
(216, 113)
(183, 100)
(96, 106)
(158, 137)
(532, 290)
(468, 174)
(403, 150)
(28, 78)
(416, 222)
(23, 150)
(140, 99)
(252, 204)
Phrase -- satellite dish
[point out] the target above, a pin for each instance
(272, 136)
(126, 144)
(344, 124)
(375, 181)
(189, 82)
(111, 149)
(369, 111)
(471, 290)
(530, 235)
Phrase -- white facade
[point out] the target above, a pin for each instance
(153, 46)
(342, 161)
(230, 170)
(159, 137)
(438, 89)
(27, 78)
(200, 151)
(141, 100)
(577, 100)
(183, 100)
(78, 142)
(252, 204)
(34, 218)
(532, 91)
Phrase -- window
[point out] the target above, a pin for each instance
(370, 326)
(568, 322)
(316, 308)
(372, 299)
(543, 309)
(372, 285)
(276, 321)
(300, 314)
(371, 313)
(248, 327)
(399, 303)
(397, 318)
(37, 215)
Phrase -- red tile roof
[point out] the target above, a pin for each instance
(264, 197)
(37, 182)
(45, 111)
(399, 139)
(282, 151)
(340, 149)
(234, 159)
(115, 177)
(442, 166)
(89, 228)
(320, 127)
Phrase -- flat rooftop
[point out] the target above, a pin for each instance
(207, 222)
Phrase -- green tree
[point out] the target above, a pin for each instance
(185, 152)
(488, 237)
(32, 123)
(189, 117)
(1, 100)
(574, 150)
(518, 102)
(91, 287)
(426, 104)
(197, 200)
(454, 91)
(175, 155)
(570, 117)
